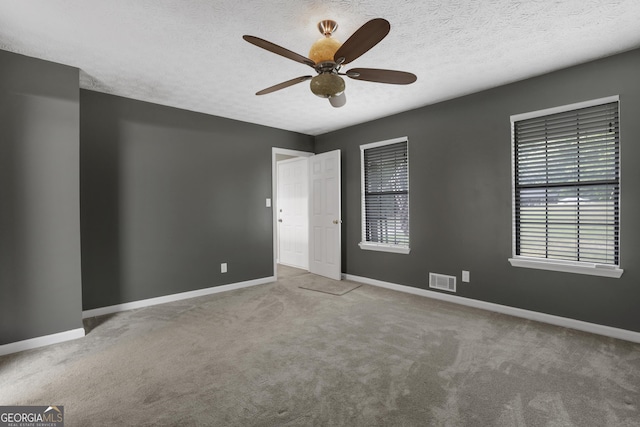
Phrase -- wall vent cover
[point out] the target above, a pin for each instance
(442, 281)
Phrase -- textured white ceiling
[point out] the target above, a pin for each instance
(190, 53)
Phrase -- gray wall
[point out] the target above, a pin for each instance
(167, 195)
(460, 183)
(40, 288)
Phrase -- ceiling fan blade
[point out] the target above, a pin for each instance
(365, 37)
(284, 85)
(272, 47)
(382, 76)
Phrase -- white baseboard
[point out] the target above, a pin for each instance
(594, 328)
(32, 343)
(174, 297)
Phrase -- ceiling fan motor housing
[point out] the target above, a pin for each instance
(324, 49)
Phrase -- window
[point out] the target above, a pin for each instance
(566, 188)
(385, 196)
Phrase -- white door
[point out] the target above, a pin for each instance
(293, 212)
(325, 229)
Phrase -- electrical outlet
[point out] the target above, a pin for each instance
(223, 267)
(465, 276)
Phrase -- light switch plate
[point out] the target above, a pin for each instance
(268, 202)
(223, 267)
(465, 276)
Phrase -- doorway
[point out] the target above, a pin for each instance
(289, 160)
(292, 210)
(321, 194)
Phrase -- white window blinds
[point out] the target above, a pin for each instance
(566, 185)
(386, 194)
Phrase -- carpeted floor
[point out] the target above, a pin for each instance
(278, 355)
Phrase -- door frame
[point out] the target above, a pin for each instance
(275, 151)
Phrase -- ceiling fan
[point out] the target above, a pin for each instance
(328, 55)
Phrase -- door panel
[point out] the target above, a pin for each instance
(324, 175)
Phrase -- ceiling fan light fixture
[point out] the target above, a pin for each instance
(327, 85)
(338, 100)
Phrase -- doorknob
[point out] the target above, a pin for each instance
(335, 221)
(280, 220)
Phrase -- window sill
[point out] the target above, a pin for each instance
(383, 248)
(568, 267)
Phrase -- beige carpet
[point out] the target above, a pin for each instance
(278, 355)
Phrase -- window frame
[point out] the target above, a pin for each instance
(375, 246)
(579, 267)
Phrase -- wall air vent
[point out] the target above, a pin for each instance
(441, 281)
